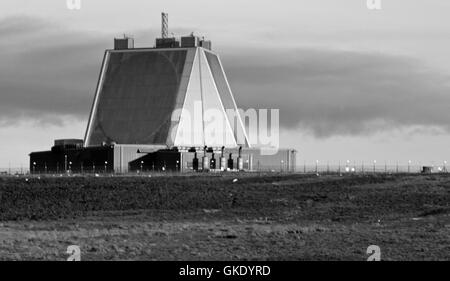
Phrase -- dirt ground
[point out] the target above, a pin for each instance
(303, 218)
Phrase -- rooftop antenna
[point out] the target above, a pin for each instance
(164, 25)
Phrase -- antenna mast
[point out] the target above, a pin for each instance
(164, 25)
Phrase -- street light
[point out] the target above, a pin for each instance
(106, 164)
(70, 166)
(317, 166)
(142, 164)
(34, 167)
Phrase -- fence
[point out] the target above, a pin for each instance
(14, 171)
(305, 168)
(367, 168)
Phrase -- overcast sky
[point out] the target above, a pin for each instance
(351, 83)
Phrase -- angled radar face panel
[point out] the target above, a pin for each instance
(136, 99)
(217, 131)
(227, 98)
(190, 128)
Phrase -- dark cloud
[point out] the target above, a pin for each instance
(48, 72)
(329, 92)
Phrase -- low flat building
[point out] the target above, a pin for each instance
(122, 159)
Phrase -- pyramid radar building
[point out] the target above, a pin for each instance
(140, 89)
(169, 107)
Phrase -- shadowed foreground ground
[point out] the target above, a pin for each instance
(214, 217)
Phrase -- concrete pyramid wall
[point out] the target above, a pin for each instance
(177, 97)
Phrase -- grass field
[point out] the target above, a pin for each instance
(226, 217)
